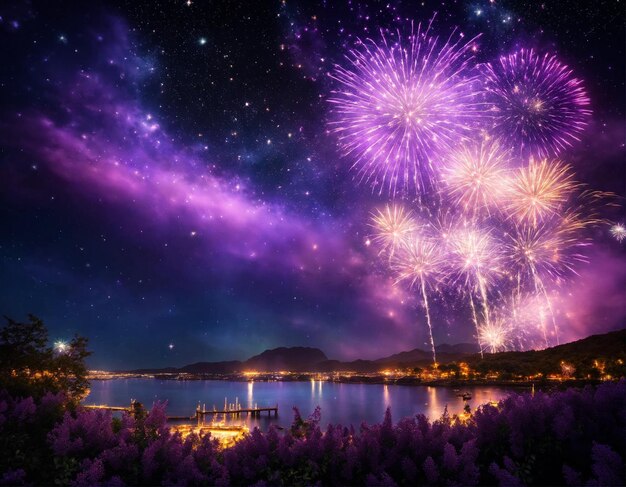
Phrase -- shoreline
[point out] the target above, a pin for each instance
(362, 379)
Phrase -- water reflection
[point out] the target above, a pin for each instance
(339, 402)
(435, 408)
(251, 394)
(316, 388)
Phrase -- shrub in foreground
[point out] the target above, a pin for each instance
(565, 438)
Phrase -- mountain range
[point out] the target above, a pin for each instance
(307, 359)
(581, 353)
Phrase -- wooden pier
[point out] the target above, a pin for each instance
(256, 411)
(107, 408)
(233, 410)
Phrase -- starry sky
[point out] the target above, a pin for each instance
(169, 188)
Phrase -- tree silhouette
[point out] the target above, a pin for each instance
(29, 366)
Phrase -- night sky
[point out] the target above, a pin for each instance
(169, 188)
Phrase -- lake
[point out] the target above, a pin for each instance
(339, 402)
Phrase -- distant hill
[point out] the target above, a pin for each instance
(212, 367)
(582, 354)
(361, 366)
(283, 358)
(459, 348)
(417, 357)
(294, 358)
(307, 359)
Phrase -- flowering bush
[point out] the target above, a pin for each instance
(24, 425)
(574, 437)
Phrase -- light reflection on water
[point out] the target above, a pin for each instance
(339, 402)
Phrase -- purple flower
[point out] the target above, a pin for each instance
(24, 410)
(430, 470)
(13, 477)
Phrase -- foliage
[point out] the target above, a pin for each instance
(29, 367)
(573, 437)
(591, 358)
(24, 426)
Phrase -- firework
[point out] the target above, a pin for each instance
(61, 347)
(567, 369)
(495, 336)
(474, 253)
(538, 106)
(536, 251)
(618, 231)
(476, 176)
(539, 190)
(400, 104)
(420, 259)
(420, 263)
(475, 259)
(393, 226)
(529, 312)
(548, 249)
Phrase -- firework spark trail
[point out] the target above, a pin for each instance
(538, 106)
(420, 262)
(514, 306)
(399, 106)
(482, 286)
(540, 288)
(536, 264)
(550, 251)
(530, 315)
(525, 313)
(427, 312)
(542, 327)
(539, 190)
(529, 247)
(448, 227)
(475, 319)
(475, 258)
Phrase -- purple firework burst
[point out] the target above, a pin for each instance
(400, 105)
(538, 107)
